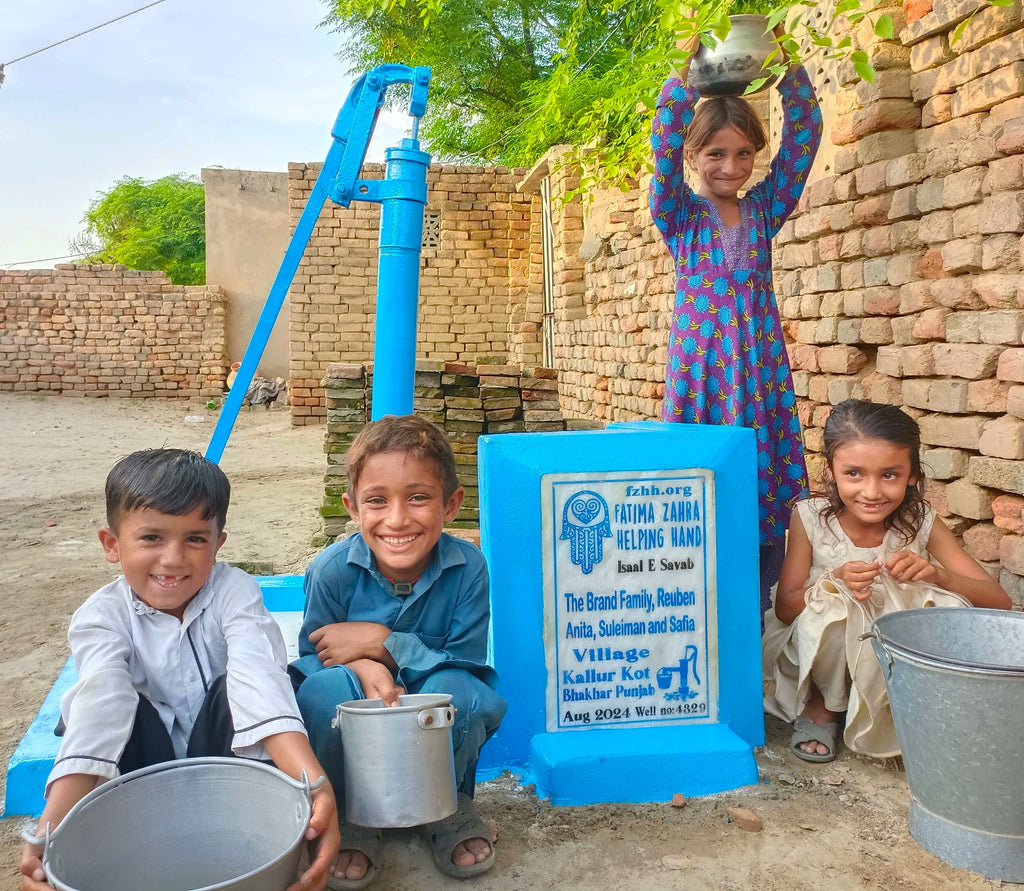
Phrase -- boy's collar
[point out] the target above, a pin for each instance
(446, 553)
(198, 602)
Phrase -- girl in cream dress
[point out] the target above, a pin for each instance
(858, 552)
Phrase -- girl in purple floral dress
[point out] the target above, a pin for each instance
(727, 362)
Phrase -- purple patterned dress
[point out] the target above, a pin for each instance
(727, 362)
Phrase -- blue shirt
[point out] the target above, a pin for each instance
(443, 623)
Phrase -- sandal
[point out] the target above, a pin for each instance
(805, 730)
(444, 835)
(366, 841)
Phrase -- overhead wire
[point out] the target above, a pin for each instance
(73, 36)
(45, 259)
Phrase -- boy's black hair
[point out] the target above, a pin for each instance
(403, 433)
(857, 419)
(171, 481)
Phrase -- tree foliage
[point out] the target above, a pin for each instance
(510, 78)
(487, 58)
(158, 224)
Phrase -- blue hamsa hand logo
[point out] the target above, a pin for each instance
(585, 525)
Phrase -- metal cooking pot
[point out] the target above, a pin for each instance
(734, 63)
(398, 760)
(228, 824)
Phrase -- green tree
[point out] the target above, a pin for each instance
(510, 78)
(158, 224)
(486, 58)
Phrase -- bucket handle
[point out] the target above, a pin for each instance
(887, 667)
(436, 718)
(304, 783)
(41, 841)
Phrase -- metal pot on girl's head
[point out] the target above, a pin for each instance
(735, 62)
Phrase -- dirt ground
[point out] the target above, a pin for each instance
(841, 826)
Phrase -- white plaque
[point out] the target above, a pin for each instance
(629, 598)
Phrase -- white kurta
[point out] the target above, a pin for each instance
(822, 644)
(123, 648)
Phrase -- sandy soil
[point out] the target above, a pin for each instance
(841, 826)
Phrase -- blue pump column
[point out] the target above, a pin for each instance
(398, 278)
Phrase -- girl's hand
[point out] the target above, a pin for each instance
(689, 44)
(778, 32)
(858, 577)
(906, 566)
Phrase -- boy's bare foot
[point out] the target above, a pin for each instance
(474, 850)
(351, 865)
(359, 856)
(462, 844)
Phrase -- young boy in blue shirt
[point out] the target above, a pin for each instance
(401, 607)
(178, 657)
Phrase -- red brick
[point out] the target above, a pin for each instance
(982, 541)
(1006, 510)
(1011, 553)
(1011, 365)
(841, 359)
(935, 493)
(931, 265)
(915, 9)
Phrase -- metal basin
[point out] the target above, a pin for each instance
(194, 825)
(956, 688)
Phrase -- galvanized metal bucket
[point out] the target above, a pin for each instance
(194, 825)
(956, 688)
(399, 762)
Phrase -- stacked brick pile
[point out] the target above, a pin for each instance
(540, 401)
(900, 278)
(110, 331)
(473, 283)
(467, 401)
(501, 397)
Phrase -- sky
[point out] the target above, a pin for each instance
(186, 84)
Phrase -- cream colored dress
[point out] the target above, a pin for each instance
(821, 646)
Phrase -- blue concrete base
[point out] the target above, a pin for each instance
(599, 766)
(32, 761)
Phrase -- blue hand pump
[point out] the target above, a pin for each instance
(402, 194)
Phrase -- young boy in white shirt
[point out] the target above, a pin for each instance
(178, 657)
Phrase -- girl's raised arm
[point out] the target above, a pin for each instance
(669, 192)
(789, 597)
(959, 571)
(780, 190)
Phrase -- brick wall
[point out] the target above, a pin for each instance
(110, 331)
(900, 276)
(473, 285)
